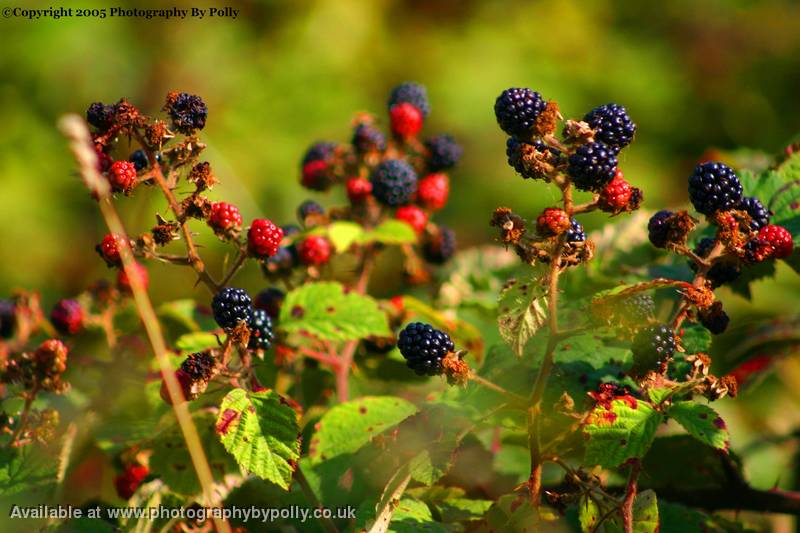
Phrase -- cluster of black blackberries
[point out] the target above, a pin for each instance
(232, 306)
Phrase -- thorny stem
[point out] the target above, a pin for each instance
(23, 418)
(630, 496)
(74, 128)
(513, 398)
(194, 258)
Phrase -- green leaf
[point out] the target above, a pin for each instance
(324, 310)
(26, 469)
(196, 342)
(620, 433)
(348, 426)
(172, 463)
(522, 311)
(702, 422)
(692, 466)
(185, 313)
(343, 234)
(696, 339)
(588, 514)
(390, 232)
(658, 394)
(676, 518)
(260, 430)
(645, 515)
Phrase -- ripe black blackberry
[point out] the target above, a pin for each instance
(592, 166)
(658, 228)
(715, 319)
(232, 306)
(410, 93)
(187, 111)
(394, 182)
(367, 138)
(309, 208)
(517, 109)
(139, 160)
(440, 247)
(651, 347)
(319, 151)
(424, 347)
(284, 260)
(611, 125)
(721, 272)
(575, 232)
(443, 152)
(271, 301)
(638, 309)
(759, 215)
(714, 187)
(7, 318)
(199, 366)
(100, 115)
(261, 334)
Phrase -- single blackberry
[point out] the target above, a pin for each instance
(100, 115)
(715, 319)
(284, 260)
(314, 250)
(616, 196)
(405, 121)
(658, 228)
(139, 160)
(270, 300)
(67, 317)
(260, 326)
(443, 152)
(714, 187)
(319, 151)
(7, 318)
(367, 138)
(187, 111)
(309, 208)
(413, 216)
(394, 182)
(759, 215)
(199, 366)
(433, 191)
(757, 250)
(263, 238)
(552, 221)
(410, 93)
(424, 347)
(779, 239)
(611, 125)
(638, 309)
(122, 176)
(592, 166)
(231, 306)
(517, 109)
(439, 248)
(651, 347)
(575, 232)
(358, 190)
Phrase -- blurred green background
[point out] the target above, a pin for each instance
(694, 75)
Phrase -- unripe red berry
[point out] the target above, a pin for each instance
(224, 218)
(51, 357)
(778, 238)
(358, 190)
(406, 120)
(122, 176)
(315, 175)
(124, 282)
(314, 250)
(615, 196)
(433, 191)
(413, 216)
(67, 316)
(552, 221)
(264, 238)
(109, 249)
(104, 161)
(127, 482)
(185, 383)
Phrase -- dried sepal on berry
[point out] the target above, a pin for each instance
(577, 132)
(202, 176)
(547, 120)
(512, 226)
(165, 231)
(455, 369)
